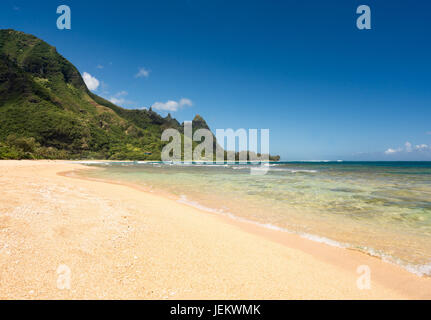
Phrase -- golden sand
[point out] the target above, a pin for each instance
(119, 242)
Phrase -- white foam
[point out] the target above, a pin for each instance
(275, 169)
(420, 270)
(183, 199)
(324, 240)
(298, 170)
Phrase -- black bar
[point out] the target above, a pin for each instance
(216, 309)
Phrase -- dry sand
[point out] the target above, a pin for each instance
(122, 243)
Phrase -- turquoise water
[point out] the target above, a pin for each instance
(383, 208)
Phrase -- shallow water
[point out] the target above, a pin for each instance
(383, 208)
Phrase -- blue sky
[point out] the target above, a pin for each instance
(325, 89)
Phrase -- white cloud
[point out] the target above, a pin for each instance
(119, 99)
(142, 73)
(422, 147)
(91, 82)
(99, 66)
(185, 102)
(392, 151)
(409, 148)
(166, 106)
(172, 105)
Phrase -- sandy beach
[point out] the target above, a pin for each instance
(116, 241)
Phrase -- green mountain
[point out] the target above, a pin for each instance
(47, 111)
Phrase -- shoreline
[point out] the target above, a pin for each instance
(336, 255)
(312, 270)
(231, 216)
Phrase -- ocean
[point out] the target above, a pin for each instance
(381, 208)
